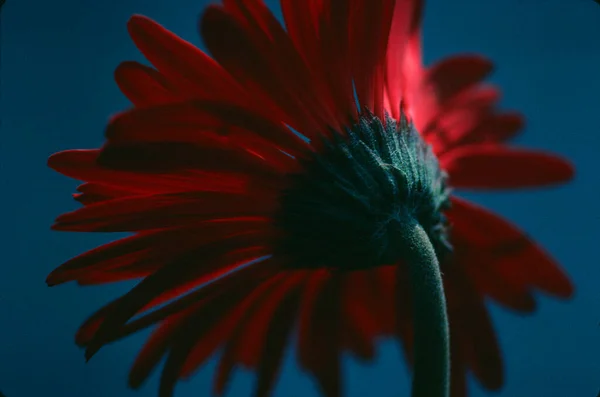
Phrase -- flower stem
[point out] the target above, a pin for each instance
(431, 333)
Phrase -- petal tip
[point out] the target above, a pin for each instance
(138, 20)
(138, 25)
(135, 380)
(123, 68)
(569, 169)
(566, 289)
(54, 160)
(57, 226)
(51, 280)
(91, 351)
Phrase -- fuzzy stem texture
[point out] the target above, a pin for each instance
(431, 333)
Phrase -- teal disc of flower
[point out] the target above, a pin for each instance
(347, 209)
(266, 187)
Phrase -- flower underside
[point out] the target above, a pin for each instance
(347, 209)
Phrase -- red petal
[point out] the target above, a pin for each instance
(247, 276)
(443, 82)
(320, 30)
(353, 339)
(144, 86)
(488, 166)
(190, 71)
(83, 165)
(199, 330)
(129, 266)
(509, 252)
(275, 340)
(488, 128)
(257, 61)
(333, 20)
(452, 75)
(403, 53)
(251, 347)
(496, 128)
(91, 193)
(302, 22)
(174, 157)
(217, 260)
(360, 311)
(214, 275)
(497, 283)
(162, 211)
(202, 123)
(193, 338)
(371, 23)
(156, 246)
(236, 342)
(460, 116)
(157, 346)
(468, 317)
(313, 288)
(385, 291)
(215, 336)
(302, 79)
(319, 333)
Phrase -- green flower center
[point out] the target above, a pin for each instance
(346, 210)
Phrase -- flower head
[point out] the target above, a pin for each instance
(266, 185)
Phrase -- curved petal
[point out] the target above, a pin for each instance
(275, 339)
(488, 166)
(84, 165)
(314, 85)
(506, 251)
(199, 336)
(495, 281)
(91, 193)
(319, 333)
(469, 320)
(454, 125)
(269, 67)
(302, 19)
(443, 82)
(158, 344)
(149, 247)
(403, 63)
(360, 315)
(134, 213)
(206, 123)
(371, 24)
(143, 85)
(236, 347)
(190, 71)
(468, 118)
(452, 75)
(466, 108)
(221, 274)
(497, 127)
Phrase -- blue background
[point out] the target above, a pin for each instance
(57, 93)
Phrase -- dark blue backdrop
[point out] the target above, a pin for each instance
(58, 58)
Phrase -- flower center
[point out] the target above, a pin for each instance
(346, 210)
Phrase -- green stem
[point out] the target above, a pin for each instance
(431, 332)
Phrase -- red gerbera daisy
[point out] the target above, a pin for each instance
(265, 185)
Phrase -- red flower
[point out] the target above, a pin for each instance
(209, 173)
